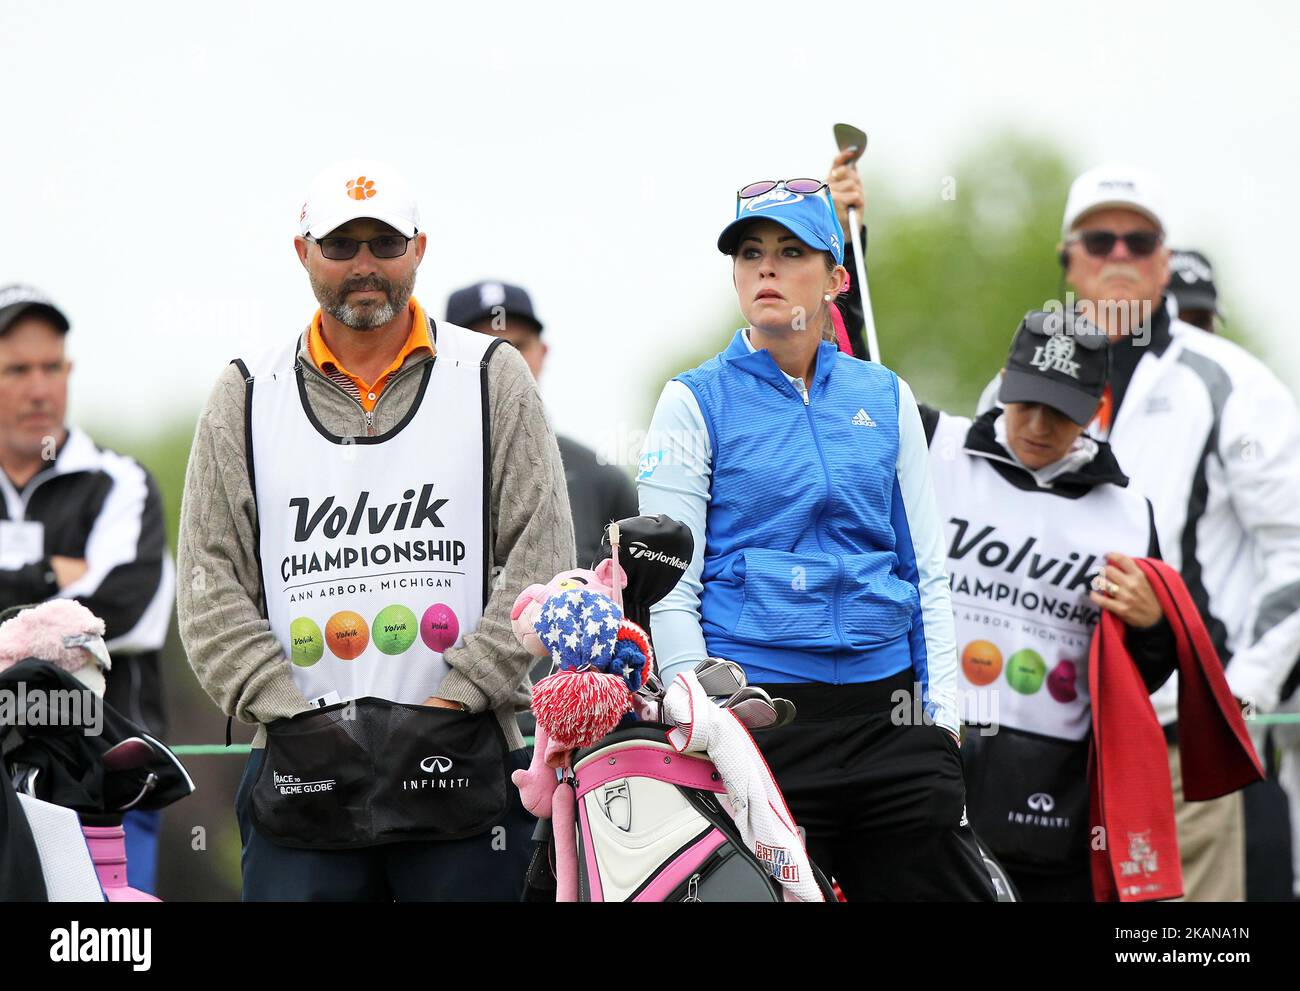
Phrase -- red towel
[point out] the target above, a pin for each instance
(1134, 842)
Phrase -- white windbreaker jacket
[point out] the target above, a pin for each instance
(1212, 438)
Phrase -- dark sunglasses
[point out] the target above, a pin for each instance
(340, 249)
(805, 187)
(1099, 244)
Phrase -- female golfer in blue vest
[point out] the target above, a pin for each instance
(819, 561)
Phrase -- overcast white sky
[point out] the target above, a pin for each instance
(156, 155)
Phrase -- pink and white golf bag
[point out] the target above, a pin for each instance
(650, 827)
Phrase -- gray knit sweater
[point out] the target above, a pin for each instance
(237, 658)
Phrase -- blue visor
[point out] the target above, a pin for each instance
(811, 218)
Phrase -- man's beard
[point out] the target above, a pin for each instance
(333, 301)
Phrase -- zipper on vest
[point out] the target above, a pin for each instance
(369, 415)
(839, 563)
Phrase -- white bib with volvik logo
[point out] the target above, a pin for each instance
(373, 549)
(1020, 564)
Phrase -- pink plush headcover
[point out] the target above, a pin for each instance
(53, 631)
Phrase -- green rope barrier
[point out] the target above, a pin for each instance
(204, 749)
(1275, 719)
(210, 749)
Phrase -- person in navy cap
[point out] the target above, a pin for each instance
(819, 561)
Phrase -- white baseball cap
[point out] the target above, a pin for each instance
(354, 189)
(1113, 185)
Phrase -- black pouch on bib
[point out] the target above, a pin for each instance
(370, 771)
(1027, 797)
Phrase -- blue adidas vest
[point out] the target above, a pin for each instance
(808, 571)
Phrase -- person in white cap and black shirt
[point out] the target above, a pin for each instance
(82, 522)
(363, 506)
(1035, 510)
(1212, 438)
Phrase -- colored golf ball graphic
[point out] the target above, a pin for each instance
(1062, 683)
(393, 630)
(307, 644)
(347, 635)
(1025, 671)
(981, 662)
(439, 627)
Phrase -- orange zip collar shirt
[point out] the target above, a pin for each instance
(367, 394)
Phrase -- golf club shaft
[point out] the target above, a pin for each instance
(860, 273)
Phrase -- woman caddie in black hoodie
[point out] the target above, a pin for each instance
(1042, 533)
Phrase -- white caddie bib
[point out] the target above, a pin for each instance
(373, 549)
(1020, 565)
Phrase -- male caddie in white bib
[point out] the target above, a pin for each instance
(361, 508)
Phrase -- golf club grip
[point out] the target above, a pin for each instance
(859, 263)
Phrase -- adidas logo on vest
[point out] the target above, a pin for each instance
(863, 419)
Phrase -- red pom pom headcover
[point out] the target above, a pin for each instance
(577, 708)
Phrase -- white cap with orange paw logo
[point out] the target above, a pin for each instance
(354, 189)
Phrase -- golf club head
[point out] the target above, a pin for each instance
(128, 755)
(785, 712)
(720, 678)
(848, 136)
(758, 710)
(754, 713)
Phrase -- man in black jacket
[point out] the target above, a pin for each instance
(81, 522)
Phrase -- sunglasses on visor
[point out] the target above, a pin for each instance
(805, 187)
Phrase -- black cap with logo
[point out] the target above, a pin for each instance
(1059, 360)
(20, 301)
(1191, 281)
(485, 300)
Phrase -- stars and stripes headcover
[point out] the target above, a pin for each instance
(579, 627)
(600, 659)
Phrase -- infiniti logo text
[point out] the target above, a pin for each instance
(1041, 804)
(436, 765)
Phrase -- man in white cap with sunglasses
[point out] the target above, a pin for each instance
(361, 507)
(1212, 438)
